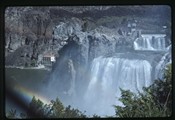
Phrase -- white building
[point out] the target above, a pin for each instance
(52, 59)
(48, 59)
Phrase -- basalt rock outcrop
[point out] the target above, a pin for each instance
(35, 29)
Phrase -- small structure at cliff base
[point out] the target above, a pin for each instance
(48, 59)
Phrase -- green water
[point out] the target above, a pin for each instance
(31, 78)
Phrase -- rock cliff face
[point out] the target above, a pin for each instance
(77, 34)
(32, 31)
(27, 34)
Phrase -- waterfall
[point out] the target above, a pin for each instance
(110, 74)
(150, 43)
(92, 83)
(166, 59)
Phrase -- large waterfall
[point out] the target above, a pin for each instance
(120, 72)
(94, 86)
(110, 74)
(130, 71)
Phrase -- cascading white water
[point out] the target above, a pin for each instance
(166, 59)
(110, 74)
(149, 43)
(132, 70)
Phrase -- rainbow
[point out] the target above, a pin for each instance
(27, 94)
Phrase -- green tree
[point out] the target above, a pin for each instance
(73, 113)
(57, 108)
(59, 111)
(37, 109)
(53, 110)
(162, 89)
